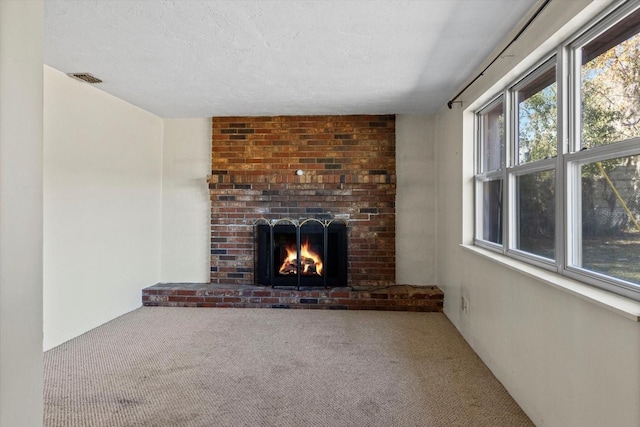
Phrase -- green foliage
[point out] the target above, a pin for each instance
(611, 95)
(538, 126)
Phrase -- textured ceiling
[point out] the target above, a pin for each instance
(220, 58)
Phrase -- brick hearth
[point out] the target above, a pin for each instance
(391, 298)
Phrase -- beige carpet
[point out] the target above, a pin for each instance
(160, 366)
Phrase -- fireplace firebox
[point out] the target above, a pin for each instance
(309, 252)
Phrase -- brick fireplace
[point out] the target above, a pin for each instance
(348, 177)
(348, 173)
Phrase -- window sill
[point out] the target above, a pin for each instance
(620, 305)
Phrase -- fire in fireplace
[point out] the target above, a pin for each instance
(309, 264)
(310, 252)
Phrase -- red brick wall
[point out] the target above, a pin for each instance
(349, 172)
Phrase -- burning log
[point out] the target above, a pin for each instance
(308, 266)
(289, 267)
(310, 262)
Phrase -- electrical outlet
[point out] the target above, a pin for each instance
(464, 305)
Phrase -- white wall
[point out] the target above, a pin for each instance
(185, 200)
(20, 213)
(415, 200)
(102, 206)
(567, 361)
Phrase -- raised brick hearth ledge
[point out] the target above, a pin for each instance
(390, 298)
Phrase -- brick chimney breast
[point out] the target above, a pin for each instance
(348, 170)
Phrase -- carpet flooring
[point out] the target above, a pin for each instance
(163, 366)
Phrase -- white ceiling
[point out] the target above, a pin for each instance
(221, 58)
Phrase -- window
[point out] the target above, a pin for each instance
(533, 168)
(492, 146)
(610, 84)
(493, 137)
(558, 170)
(535, 213)
(608, 240)
(537, 112)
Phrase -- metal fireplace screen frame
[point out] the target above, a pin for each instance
(273, 235)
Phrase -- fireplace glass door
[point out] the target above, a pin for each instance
(307, 254)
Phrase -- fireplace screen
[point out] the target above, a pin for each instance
(306, 253)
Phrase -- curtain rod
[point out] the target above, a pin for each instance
(522, 30)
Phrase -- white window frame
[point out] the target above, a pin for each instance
(484, 176)
(573, 161)
(515, 169)
(566, 165)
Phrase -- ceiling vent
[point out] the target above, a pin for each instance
(85, 77)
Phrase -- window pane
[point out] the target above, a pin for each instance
(610, 85)
(492, 134)
(611, 217)
(537, 118)
(536, 213)
(492, 211)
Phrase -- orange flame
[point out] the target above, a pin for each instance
(311, 263)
